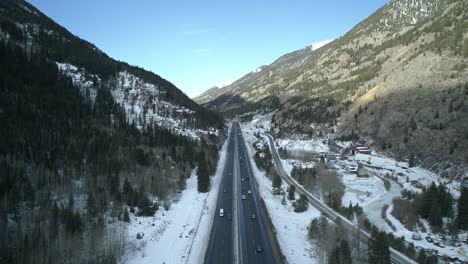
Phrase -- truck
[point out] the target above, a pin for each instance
(221, 212)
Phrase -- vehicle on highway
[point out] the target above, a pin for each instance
(254, 216)
(225, 190)
(247, 178)
(258, 248)
(242, 179)
(229, 216)
(221, 212)
(243, 197)
(249, 191)
(429, 239)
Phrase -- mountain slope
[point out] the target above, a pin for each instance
(398, 78)
(85, 142)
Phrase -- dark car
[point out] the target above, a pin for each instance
(439, 244)
(224, 190)
(429, 239)
(229, 217)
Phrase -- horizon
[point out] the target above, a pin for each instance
(193, 45)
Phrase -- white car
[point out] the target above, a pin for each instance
(243, 197)
(249, 191)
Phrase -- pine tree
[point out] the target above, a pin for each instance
(276, 181)
(462, 219)
(91, 205)
(126, 216)
(203, 177)
(378, 248)
(345, 252)
(313, 229)
(292, 189)
(435, 216)
(334, 257)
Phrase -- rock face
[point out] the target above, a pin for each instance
(399, 79)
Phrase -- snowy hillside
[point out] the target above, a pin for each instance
(141, 100)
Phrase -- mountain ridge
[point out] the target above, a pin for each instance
(416, 48)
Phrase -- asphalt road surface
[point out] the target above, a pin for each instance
(240, 235)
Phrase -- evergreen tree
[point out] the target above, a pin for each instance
(276, 181)
(313, 229)
(292, 189)
(378, 248)
(462, 218)
(91, 205)
(422, 257)
(126, 216)
(203, 177)
(334, 257)
(435, 216)
(301, 204)
(345, 252)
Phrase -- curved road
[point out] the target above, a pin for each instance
(395, 256)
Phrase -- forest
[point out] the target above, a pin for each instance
(72, 169)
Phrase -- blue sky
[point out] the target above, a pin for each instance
(197, 44)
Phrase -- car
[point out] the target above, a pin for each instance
(242, 179)
(224, 190)
(439, 244)
(247, 178)
(416, 236)
(249, 191)
(254, 216)
(429, 239)
(258, 248)
(229, 216)
(243, 197)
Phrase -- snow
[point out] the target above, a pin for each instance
(135, 95)
(317, 45)
(291, 227)
(312, 145)
(368, 192)
(402, 231)
(180, 234)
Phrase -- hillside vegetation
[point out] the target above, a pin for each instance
(398, 80)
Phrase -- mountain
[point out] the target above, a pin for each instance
(84, 139)
(398, 80)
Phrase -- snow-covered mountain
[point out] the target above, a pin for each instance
(378, 80)
(146, 97)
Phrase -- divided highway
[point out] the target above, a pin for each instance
(396, 256)
(239, 234)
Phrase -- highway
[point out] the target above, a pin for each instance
(395, 256)
(241, 235)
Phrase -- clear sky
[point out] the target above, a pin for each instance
(197, 44)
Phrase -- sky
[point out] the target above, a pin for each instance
(197, 44)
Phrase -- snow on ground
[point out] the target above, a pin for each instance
(311, 145)
(141, 100)
(291, 227)
(402, 231)
(181, 234)
(370, 192)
